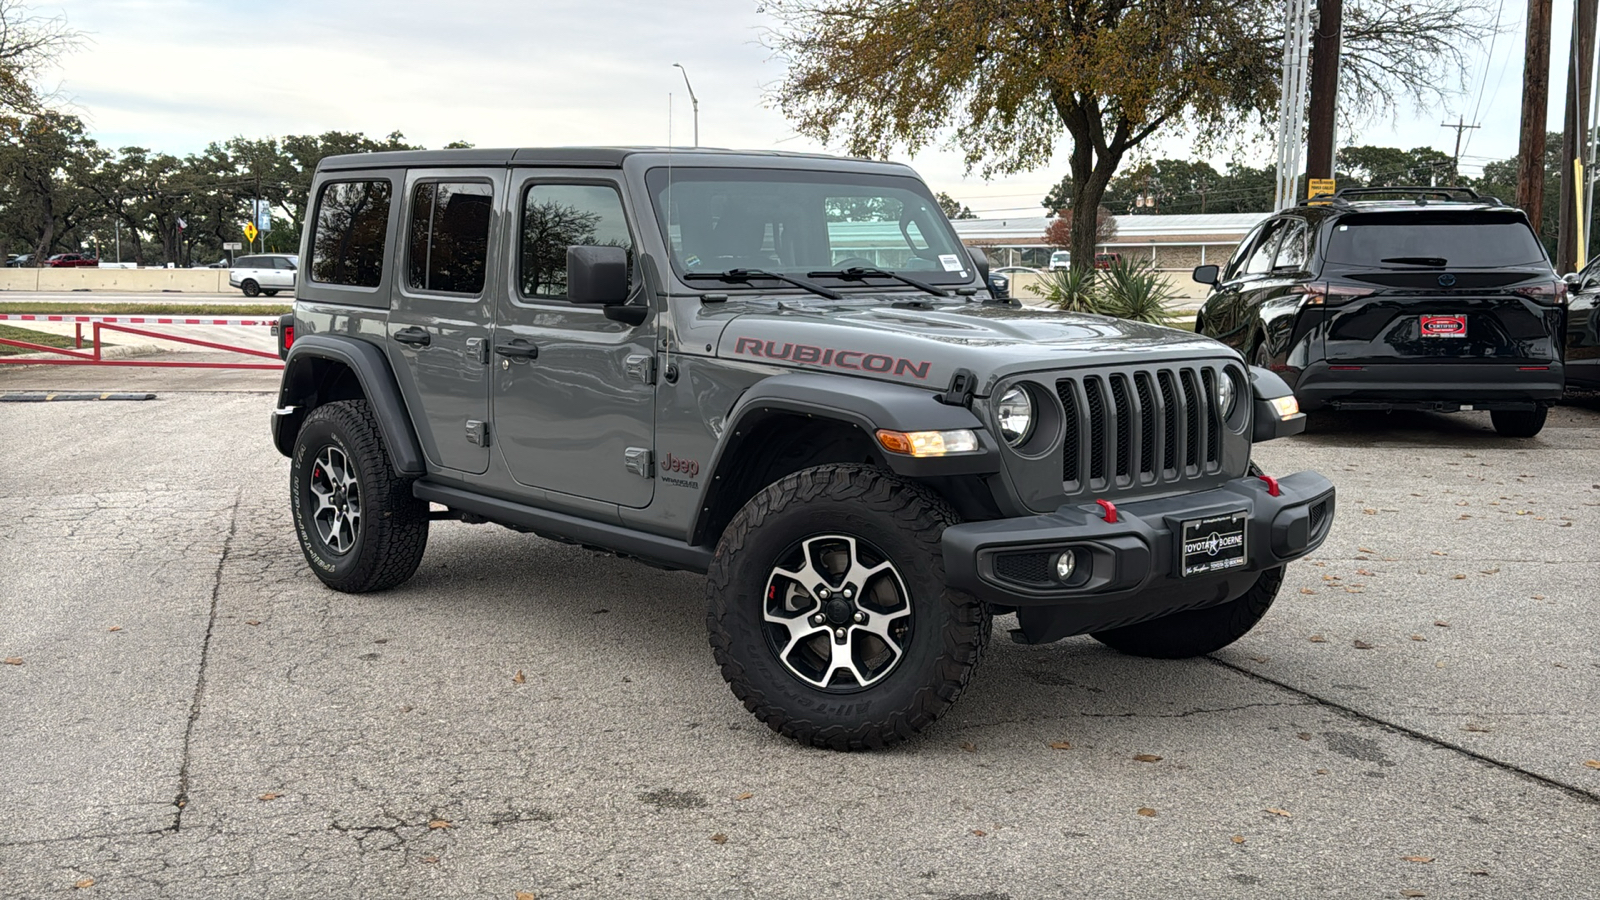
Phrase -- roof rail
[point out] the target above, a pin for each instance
(1419, 193)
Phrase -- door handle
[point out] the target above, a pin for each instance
(518, 349)
(414, 336)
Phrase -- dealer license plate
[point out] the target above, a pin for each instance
(1214, 544)
(1444, 326)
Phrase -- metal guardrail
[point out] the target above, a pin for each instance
(123, 325)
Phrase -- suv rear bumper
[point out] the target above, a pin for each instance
(1427, 384)
(1133, 564)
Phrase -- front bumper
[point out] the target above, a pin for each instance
(1130, 569)
(1427, 384)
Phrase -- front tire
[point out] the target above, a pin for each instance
(359, 526)
(250, 287)
(828, 611)
(1518, 423)
(1199, 631)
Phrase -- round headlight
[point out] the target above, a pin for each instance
(1227, 393)
(1015, 415)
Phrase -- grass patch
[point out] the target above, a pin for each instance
(11, 333)
(148, 309)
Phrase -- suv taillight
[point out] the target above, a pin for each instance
(1321, 293)
(1550, 293)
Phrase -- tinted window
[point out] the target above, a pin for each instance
(450, 236)
(1260, 260)
(1292, 253)
(558, 216)
(1470, 240)
(247, 262)
(351, 229)
(1241, 252)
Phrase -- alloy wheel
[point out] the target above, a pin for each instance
(836, 613)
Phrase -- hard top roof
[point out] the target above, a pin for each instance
(558, 157)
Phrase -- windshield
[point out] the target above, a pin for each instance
(802, 223)
(1457, 240)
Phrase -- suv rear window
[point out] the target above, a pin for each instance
(1478, 240)
(351, 231)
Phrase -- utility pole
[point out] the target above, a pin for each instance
(1535, 107)
(1570, 239)
(1460, 126)
(1327, 26)
(693, 100)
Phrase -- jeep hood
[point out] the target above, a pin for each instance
(925, 341)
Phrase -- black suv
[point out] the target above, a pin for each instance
(1398, 298)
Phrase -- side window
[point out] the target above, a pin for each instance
(1260, 261)
(246, 262)
(449, 239)
(1292, 253)
(1241, 253)
(352, 227)
(558, 216)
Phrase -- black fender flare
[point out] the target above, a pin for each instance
(864, 403)
(377, 381)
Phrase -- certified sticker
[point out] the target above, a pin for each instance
(1444, 326)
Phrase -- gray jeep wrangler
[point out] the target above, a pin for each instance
(782, 371)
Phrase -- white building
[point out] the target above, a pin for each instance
(1170, 242)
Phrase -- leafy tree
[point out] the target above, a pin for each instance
(1390, 167)
(953, 208)
(44, 159)
(1060, 230)
(1004, 80)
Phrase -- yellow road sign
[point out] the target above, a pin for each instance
(1315, 186)
(250, 231)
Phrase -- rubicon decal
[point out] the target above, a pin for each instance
(854, 360)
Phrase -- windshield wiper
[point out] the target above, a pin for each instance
(858, 273)
(747, 274)
(1417, 260)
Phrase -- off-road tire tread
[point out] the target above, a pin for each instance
(1199, 631)
(1518, 423)
(397, 524)
(919, 512)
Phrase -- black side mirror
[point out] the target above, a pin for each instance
(1573, 279)
(1206, 274)
(979, 262)
(597, 275)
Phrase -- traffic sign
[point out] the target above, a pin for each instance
(1318, 186)
(250, 232)
(232, 245)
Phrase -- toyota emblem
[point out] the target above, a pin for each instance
(1447, 280)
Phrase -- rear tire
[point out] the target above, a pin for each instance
(250, 288)
(1518, 423)
(845, 550)
(1199, 631)
(359, 526)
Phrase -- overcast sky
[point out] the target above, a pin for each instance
(174, 75)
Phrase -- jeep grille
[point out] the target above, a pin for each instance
(1142, 427)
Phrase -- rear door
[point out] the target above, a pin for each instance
(1583, 328)
(574, 391)
(1432, 285)
(439, 314)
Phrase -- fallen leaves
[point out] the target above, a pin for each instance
(1277, 812)
(1237, 839)
(1361, 645)
(719, 838)
(1441, 623)
(1365, 573)
(1307, 591)
(84, 883)
(1259, 659)
(969, 746)
(1493, 571)
(1410, 892)
(269, 795)
(115, 628)
(1480, 729)
(1060, 745)
(1418, 859)
(525, 895)
(1317, 639)
(519, 678)
(437, 824)
(1418, 637)
(1365, 550)
(1146, 811)
(1458, 578)
(1303, 735)
(744, 796)
(1592, 763)
(12, 660)
(253, 622)
(979, 832)
(1369, 511)
(1147, 757)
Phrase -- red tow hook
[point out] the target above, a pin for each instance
(1111, 510)
(1272, 485)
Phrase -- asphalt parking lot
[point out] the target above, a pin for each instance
(194, 715)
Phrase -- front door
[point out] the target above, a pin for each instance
(574, 394)
(439, 316)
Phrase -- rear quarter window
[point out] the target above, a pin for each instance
(352, 229)
(1455, 239)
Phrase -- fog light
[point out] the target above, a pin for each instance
(1066, 563)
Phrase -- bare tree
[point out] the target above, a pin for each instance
(29, 44)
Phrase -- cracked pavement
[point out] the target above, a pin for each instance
(195, 716)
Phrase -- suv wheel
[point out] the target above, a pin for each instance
(1199, 631)
(829, 615)
(359, 526)
(250, 287)
(1518, 423)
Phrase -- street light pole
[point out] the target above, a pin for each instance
(693, 100)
